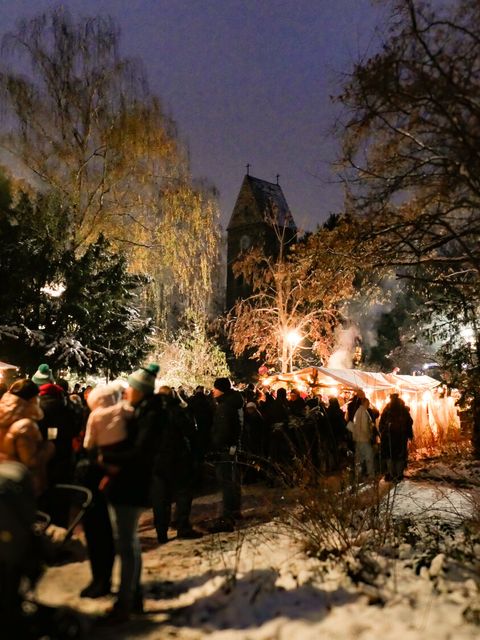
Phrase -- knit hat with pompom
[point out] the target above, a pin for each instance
(43, 375)
(143, 379)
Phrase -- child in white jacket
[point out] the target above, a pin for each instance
(107, 423)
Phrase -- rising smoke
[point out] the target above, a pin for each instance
(345, 341)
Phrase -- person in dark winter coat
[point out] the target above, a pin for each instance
(275, 411)
(254, 441)
(337, 430)
(395, 431)
(289, 444)
(278, 411)
(61, 423)
(319, 439)
(296, 404)
(201, 407)
(129, 488)
(98, 530)
(174, 469)
(226, 434)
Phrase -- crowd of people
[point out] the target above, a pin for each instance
(144, 446)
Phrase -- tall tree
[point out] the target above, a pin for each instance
(181, 252)
(81, 119)
(77, 313)
(412, 158)
(296, 300)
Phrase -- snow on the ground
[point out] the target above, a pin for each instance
(258, 584)
(457, 468)
(422, 500)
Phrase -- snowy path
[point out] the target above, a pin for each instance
(257, 584)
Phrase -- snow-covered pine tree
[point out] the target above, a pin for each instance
(80, 312)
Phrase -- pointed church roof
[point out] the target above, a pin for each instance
(261, 201)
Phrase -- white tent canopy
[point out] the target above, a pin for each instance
(5, 365)
(372, 380)
(412, 383)
(354, 379)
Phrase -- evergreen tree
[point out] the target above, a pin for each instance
(80, 313)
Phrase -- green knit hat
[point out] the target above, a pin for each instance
(43, 375)
(143, 379)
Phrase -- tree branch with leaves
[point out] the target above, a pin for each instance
(411, 162)
(82, 122)
(302, 289)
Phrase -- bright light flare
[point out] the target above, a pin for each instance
(293, 337)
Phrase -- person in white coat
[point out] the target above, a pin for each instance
(363, 429)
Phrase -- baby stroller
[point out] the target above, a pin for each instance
(22, 557)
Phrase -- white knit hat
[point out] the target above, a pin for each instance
(143, 379)
(43, 375)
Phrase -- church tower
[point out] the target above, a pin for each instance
(260, 209)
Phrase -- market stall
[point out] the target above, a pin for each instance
(432, 408)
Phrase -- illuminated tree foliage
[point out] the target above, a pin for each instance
(183, 253)
(191, 358)
(412, 162)
(301, 289)
(81, 122)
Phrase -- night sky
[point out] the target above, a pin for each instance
(246, 81)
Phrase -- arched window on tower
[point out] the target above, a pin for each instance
(245, 243)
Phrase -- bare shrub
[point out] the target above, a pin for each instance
(226, 555)
(454, 442)
(338, 515)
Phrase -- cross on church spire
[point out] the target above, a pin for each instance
(278, 177)
(248, 168)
